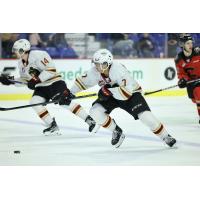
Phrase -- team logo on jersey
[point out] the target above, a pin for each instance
(170, 73)
(183, 65)
(188, 60)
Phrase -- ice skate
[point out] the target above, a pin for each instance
(52, 129)
(117, 137)
(93, 126)
(169, 140)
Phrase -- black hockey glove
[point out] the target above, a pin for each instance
(65, 98)
(104, 93)
(33, 82)
(5, 79)
(34, 72)
(182, 83)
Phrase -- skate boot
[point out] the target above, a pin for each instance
(93, 126)
(169, 140)
(117, 137)
(52, 129)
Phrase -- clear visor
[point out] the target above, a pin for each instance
(101, 66)
(18, 52)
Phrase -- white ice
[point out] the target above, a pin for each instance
(22, 130)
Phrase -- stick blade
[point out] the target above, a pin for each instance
(3, 109)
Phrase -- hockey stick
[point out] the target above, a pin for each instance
(167, 88)
(160, 90)
(45, 103)
(19, 82)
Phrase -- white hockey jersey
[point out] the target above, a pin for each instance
(123, 85)
(41, 61)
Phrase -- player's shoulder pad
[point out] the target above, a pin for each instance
(197, 50)
(178, 57)
(38, 53)
(118, 66)
(117, 70)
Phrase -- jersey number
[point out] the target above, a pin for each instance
(44, 62)
(124, 82)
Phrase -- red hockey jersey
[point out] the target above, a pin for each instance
(188, 67)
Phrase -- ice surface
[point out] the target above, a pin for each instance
(22, 130)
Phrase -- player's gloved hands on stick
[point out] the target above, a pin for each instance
(34, 72)
(182, 83)
(33, 82)
(5, 79)
(104, 93)
(64, 99)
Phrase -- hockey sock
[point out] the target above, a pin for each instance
(77, 109)
(41, 111)
(109, 123)
(155, 126)
(45, 116)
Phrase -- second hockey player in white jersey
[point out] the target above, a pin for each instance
(118, 90)
(38, 71)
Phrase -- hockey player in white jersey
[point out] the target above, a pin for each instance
(37, 69)
(118, 90)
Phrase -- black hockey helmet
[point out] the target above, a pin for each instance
(184, 38)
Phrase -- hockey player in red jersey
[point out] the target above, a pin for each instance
(118, 90)
(37, 70)
(188, 69)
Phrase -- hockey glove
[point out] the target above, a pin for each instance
(34, 72)
(33, 82)
(182, 83)
(104, 93)
(5, 79)
(65, 98)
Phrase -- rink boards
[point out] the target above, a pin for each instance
(152, 74)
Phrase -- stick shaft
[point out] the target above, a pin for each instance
(45, 103)
(19, 82)
(167, 88)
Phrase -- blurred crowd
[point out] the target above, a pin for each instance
(83, 45)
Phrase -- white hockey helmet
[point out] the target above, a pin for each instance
(21, 46)
(103, 59)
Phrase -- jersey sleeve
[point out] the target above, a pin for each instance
(127, 85)
(87, 80)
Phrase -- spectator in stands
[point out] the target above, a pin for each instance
(36, 40)
(58, 40)
(123, 46)
(146, 46)
(46, 37)
(172, 45)
(8, 40)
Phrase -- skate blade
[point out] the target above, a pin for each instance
(55, 133)
(172, 147)
(122, 137)
(96, 128)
